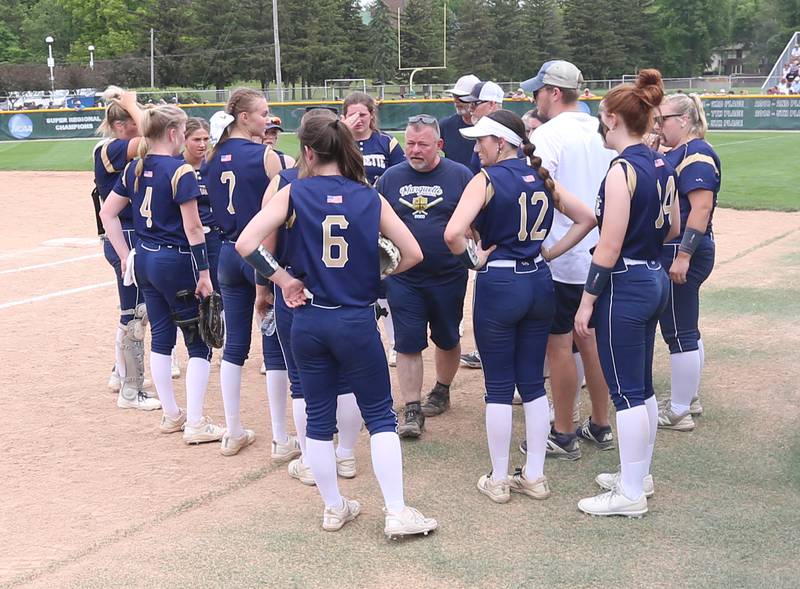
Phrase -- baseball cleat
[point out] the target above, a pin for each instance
(334, 518)
(609, 480)
(613, 502)
(203, 433)
(407, 523)
(231, 446)
(519, 483)
(346, 467)
(497, 491)
(141, 402)
(171, 425)
(286, 451)
(302, 472)
(471, 360)
(562, 446)
(600, 436)
(668, 419)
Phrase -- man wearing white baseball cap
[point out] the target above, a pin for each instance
(485, 98)
(456, 147)
(573, 152)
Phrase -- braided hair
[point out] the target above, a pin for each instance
(241, 100)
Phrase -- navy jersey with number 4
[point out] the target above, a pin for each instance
(333, 240)
(698, 168)
(380, 152)
(165, 183)
(236, 179)
(518, 212)
(651, 182)
(110, 157)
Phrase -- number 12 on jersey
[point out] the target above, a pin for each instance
(535, 234)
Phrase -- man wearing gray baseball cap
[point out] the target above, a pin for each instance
(572, 151)
(456, 147)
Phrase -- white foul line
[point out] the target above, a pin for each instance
(59, 293)
(49, 264)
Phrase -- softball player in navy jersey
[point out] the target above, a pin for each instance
(121, 129)
(334, 220)
(380, 152)
(237, 174)
(508, 207)
(626, 289)
(689, 259)
(171, 262)
(348, 416)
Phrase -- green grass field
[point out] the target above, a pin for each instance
(759, 168)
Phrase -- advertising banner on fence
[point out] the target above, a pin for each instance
(756, 113)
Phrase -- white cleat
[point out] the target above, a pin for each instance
(519, 483)
(141, 402)
(230, 446)
(205, 431)
(334, 519)
(408, 522)
(609, 480)
(346, 467)
(613, 502)
(285, 452)
(302, 472)
(171, 425)
(497, 491)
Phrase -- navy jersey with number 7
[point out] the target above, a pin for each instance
(332, 239)
(652, 183)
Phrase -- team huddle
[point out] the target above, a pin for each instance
(582, 233)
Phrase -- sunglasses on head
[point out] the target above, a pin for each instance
(424, 119)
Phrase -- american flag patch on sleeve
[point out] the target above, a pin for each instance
(148, 174)
(334, 199)
(659, 163)
(226, 158)
(528, 178)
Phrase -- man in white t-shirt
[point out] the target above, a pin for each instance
(572, 151)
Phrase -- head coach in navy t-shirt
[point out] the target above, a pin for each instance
(424, 192)
(456, 147)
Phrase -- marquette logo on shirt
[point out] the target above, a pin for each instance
(424, 197)
(375, 160)
(148, 174)
(334, 199)
(226, 157)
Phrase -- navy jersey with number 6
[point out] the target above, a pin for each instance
(380, 152)
(518, 211)
(164, 185)
(333, 240)
(236, 179)
(651, 182)
(698, 168)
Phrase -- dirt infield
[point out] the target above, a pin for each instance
(94, 496)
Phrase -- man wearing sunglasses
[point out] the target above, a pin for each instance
(456, 146)
(484, 99)
(424, 191)
(572, 151)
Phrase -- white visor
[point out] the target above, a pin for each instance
(219, 121)
(486, 126)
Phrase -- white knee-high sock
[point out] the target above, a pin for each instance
(581, 376)
(119, 357)
(300, 419)
(685, 369)
(161, 371)
(388, 326)
(633, 431)
(321, 458)
(277, 393)
(537, 428)
(387, 463)
(652, 418)
(348, 422)
(498, 434)
(230, 376)
(197, 371)
(701, 348)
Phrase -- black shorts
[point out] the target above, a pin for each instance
(568, 299)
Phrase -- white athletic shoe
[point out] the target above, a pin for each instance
(302, 472)
(170, 425)
(668, 419)
(613, 502)
(334, 519)
(392, 358)
(407, 523)
(609, 480)
(519, 483)
(231, 446)
(206, 431)
(285, 452)
(263, 369)
(346, 467)
(176, 366)
(497, 491)
(142, 402)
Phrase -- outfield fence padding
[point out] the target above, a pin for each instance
(756, 113)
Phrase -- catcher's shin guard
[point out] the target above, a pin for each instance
(133, 353)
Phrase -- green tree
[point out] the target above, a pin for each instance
(543, 35)
(382, 41)
(594, 48)
(470, 55)
(421, 42)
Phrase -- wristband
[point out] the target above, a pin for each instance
(200, 256)
(597, 279)
(263, 261)
(691, 239)
(469, 257)
(261, 280)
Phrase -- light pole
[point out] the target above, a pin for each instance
(91, 57)
(51, 63)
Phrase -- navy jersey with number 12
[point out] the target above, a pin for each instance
(651, 182)
(332, 239)
(164, 185)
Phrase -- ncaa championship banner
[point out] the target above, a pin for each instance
(754, 113)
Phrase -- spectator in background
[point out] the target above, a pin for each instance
(796, 51)
(793, 72)
(783, 87)
(588, 93)
(456, 147)
(532, 120)
(795, 89)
